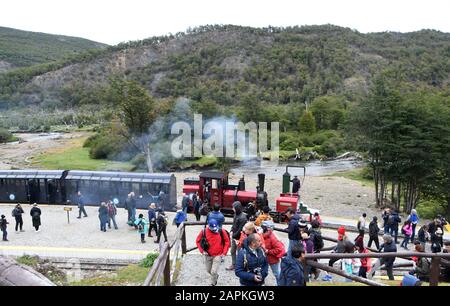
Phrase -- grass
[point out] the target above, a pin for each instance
(355, 175)
(129, 275)
(204, 161)
(28, 260)
(74, 156)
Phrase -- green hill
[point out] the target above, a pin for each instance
(227, 64)
(23, 48)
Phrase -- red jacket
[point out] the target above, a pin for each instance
(275, 248)
(217, 247)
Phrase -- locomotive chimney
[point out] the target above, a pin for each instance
(241, 184)
(261, 177)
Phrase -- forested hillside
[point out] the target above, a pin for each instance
(22, 48)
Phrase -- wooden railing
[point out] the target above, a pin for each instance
(163, 270)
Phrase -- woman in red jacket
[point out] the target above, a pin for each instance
(274, 248)
(213, 242)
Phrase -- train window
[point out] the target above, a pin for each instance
(214, 184)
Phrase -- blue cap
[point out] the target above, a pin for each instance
(213, 226)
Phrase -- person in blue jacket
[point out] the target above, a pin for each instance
(292, 268)
(216, 215)
(252, 267)
(180, 217)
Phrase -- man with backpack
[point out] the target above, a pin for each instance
(17, 214)
(292, 268)
(213, 242)
(373, 233)
(142, 226)
(252, 267)
(112, 212)
(393, 221)
(161, 221)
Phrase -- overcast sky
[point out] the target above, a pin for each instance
(114, 21)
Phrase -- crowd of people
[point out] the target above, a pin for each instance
(17, 213)
(256, 250)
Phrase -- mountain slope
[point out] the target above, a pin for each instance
(223, 64)
(23, 48)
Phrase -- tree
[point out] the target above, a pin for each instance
(137, 113)
(307, 123)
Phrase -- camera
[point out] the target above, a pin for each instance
(257, 271)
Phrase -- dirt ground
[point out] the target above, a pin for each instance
(18, 155)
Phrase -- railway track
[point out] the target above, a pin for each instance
(88, 264)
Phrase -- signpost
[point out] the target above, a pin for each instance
(68, 209)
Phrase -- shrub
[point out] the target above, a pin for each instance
(148, 261)
(5, 135)
(429, 209)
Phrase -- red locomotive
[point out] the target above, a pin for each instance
(214, 188)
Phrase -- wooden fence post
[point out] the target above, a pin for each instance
(183, 240)
(167, 269)
(435, 271)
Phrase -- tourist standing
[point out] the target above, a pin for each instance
(216, 215)
(80, 202)
(374, 230)
(264, 216)
(251, 263)
(3, 226)
(407, 232)
(385, 217)
(142, 227)
(35, 214)
(213, 242)
(17, 214)
(274, 248)
(161, 221)
(112, 212)
(152, 220)
(361, 226)
(103, 216)
(291, 273)
(423, 235)
(389, 247)
(130, 206)
(293, 228)
(394, 220)
(239, 220)
(414, 218)
(180, 217)
(197, 204)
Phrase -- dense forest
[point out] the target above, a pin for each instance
(331, 88)
(23, 48)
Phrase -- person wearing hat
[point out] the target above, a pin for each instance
(295, 184)
(152, 219)
(3, 227)
(142, 226)
(213, 243)
(274, 248)
(35, 214)
(373, 233)
(17, 214)
(343, 246)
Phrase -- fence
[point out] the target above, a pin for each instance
(164, 271)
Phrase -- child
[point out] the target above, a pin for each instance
(3, 226)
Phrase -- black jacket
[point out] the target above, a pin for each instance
(17, 212)
(295, 185)
(3, 224)
(291, 273)
(130, 203)
(239, 221)
(36, 216)
(421, 235)
(373, 229)
(292, 229)
(389, 248)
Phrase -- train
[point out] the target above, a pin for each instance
(214, 187)
(61, 187)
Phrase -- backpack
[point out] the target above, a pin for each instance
(391, 220)
(203, 241)
(141, 225)
(13, 213)
(204, 210)
(317, 240)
